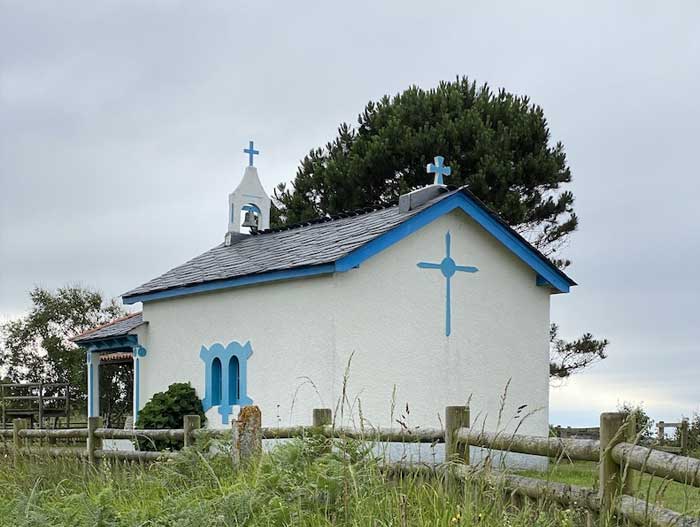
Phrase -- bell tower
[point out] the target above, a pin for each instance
(250, 200)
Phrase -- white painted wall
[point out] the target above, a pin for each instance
(391, 315)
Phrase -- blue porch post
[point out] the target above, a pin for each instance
(93, 378)
(138, 352)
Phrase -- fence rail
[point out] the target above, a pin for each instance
(615, 452)
(583, 449)
(663, 464)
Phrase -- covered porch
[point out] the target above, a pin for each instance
(114, 345)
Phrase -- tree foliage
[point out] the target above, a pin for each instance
(497, 143)
(37, 346)
(567, 358)
(168, 410)
(643, 423)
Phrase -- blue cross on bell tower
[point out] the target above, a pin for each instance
(253, 152)
(438, 169)
(448, 267)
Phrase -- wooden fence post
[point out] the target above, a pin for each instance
(41, 404)
(17, 426)
(684, 437)
(660, 434)
(322, 417)
(190, 423)
(249, 433)
(456, 417)
(611, 474)
(93, 442)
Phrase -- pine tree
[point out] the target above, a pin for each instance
(498, 144)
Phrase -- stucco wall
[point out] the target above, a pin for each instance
(390, 316)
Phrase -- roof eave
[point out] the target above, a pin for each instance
(229, 283)
(547, 273)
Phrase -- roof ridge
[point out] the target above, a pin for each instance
(339, 215)
(107, 324)
(326, 219)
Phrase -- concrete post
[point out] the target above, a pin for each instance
(322, 417)
(456, 417)
(17, 426)
(190, 424)
(249, 433)
(93, 442)
(51, 440)
(611, 483)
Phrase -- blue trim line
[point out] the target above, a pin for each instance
(125, 341)
(476, 211)
(91, 413)
(274, 276)
(138, 352)
(547, 273)
(137, 388)
(251, 207)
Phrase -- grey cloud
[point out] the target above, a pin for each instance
(122, 125)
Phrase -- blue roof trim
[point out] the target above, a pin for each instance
(274, 276)
(546, 271)
(111, 343)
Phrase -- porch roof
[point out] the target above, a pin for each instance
(116, 328)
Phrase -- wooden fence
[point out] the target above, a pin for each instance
(588, 432)
(661, 443)
(683, 432)
(616, 452)
(618, 456)
(34, 401)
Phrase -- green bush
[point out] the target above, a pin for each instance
(168, 410)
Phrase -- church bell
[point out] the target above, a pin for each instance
(250, 220)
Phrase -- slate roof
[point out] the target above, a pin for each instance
(115, 328)
(314, 243)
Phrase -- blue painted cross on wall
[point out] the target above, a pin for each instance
(438, 169)
(251, 152)
(448, 267)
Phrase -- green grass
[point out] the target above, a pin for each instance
(299, 483)
(668, 494)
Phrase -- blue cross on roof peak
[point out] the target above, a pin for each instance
(251, 152)
(438, 169)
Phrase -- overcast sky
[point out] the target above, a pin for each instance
(122, 126)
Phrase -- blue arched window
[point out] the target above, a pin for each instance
(225, 376)
(234, 386)
(216, 382)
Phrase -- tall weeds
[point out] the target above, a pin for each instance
(298, 483)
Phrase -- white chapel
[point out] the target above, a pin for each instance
(429, 302)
